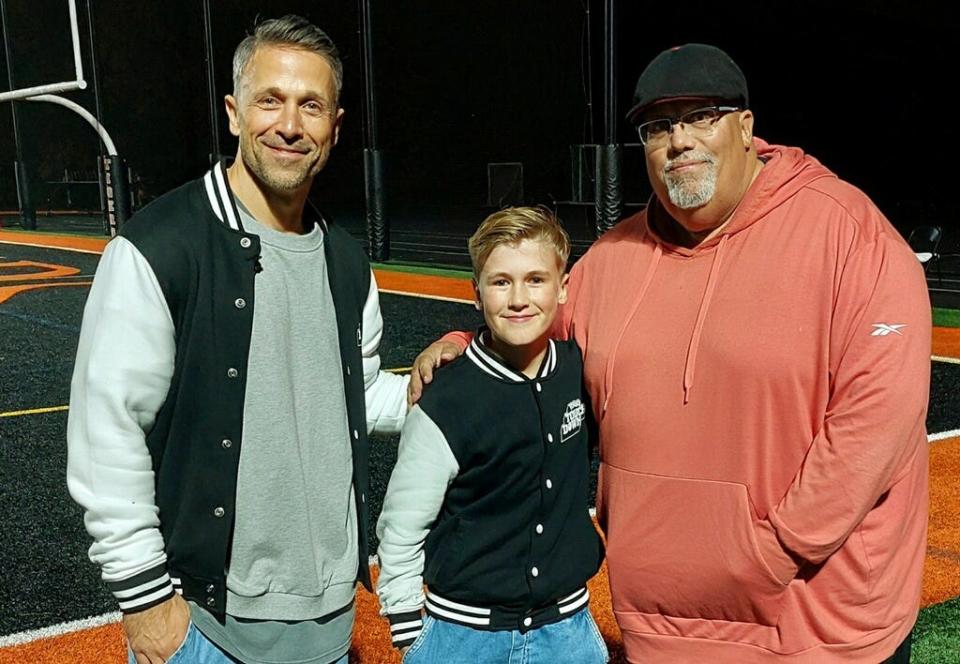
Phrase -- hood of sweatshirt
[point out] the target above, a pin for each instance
(786, 170)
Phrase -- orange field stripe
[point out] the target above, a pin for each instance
(425, 285)
(946, 341)
(941, 579)
(87, 245)
(98, 645)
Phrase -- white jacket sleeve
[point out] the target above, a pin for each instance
(425, 468)
(125, 361)
(386, 393)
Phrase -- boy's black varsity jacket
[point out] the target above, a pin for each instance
(488, 502)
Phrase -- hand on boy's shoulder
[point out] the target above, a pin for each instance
(435, 355)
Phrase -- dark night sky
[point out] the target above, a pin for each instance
(463, 84)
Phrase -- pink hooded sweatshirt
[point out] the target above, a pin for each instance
(761, 401)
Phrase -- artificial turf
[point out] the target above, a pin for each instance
(936, 637)
(946, 317)
(433, 271)
(39, 375)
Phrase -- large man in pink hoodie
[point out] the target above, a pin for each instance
(757, 350)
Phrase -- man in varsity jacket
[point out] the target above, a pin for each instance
(227, 376)
(488, 500)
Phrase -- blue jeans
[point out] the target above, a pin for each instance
(198, 649)
(573, 640)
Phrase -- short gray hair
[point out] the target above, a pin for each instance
(292, 31)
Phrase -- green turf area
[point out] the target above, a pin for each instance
(946, 317)
(415, 268)
(936, 637)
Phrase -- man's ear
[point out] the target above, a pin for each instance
(746, 127)
(233, 112)
(337, 123)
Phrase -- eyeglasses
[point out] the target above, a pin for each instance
(700, 122)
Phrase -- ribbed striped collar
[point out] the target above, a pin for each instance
(490, 363)
(220, 196)
(224, 206)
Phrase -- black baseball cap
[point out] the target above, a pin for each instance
(689, 71)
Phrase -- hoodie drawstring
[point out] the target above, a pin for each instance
(691, 361)
(608, 371)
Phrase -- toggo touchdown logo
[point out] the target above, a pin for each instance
(572, 420)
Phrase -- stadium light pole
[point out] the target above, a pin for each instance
(211, 84)
(609, 194)
(28, 216)
(378, 231)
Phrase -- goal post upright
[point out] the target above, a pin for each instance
(113, 172)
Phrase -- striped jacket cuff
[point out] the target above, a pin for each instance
(405, 628)
(143, 591)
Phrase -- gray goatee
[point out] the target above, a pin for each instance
(689, 191)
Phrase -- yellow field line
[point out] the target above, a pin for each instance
(33, 411)
(56, 409)
(941, 358)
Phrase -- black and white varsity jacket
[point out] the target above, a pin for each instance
(488, 502)
(157, 398)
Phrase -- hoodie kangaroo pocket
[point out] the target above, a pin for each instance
(686, 548)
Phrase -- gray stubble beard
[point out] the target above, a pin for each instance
(278, 179)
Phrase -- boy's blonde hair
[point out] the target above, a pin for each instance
(512, 226)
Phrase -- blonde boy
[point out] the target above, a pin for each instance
(488, 501)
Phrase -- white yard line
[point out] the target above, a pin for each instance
(426, 297)
(21, 638)
(943, 435)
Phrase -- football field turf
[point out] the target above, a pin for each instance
(53, 608)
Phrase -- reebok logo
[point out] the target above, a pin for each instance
(883, 329)
(572, 420)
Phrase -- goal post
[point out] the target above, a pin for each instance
(78, 83)
(113, 172)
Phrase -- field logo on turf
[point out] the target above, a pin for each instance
(23, 276)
